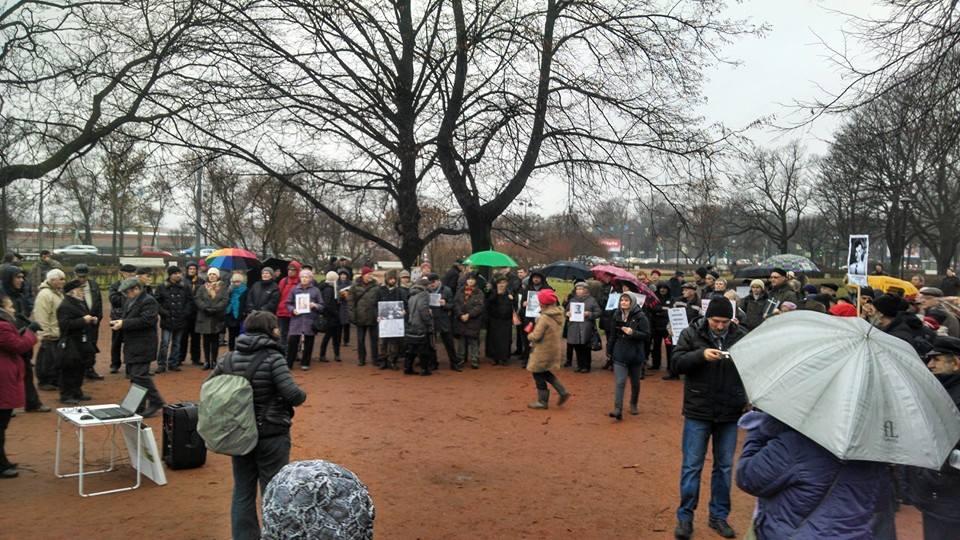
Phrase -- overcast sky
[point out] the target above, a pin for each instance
(787, 65)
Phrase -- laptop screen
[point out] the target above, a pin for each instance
(134, 398)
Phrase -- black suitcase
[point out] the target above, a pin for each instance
(183, 448)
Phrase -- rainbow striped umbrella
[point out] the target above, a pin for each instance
(232, 259)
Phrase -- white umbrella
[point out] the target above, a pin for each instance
(858, 392)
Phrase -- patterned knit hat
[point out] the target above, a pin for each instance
(317, 500)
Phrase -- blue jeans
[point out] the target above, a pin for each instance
(170, 341)
(696, 433)
(256, 468)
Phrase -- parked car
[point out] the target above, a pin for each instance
(204, 251)
(154, 252)
(77, 249)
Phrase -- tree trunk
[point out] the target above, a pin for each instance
(481, 233)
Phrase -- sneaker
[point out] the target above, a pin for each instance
(684, 529)
(38, 408)
(722, 527)
(537, 405)
(9, 472)
(305, 368)
(114, 370)
(151, 411)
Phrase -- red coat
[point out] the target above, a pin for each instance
(13, 346)
(286, 285)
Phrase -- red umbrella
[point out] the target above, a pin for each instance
(611, 274)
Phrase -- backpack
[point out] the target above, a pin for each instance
(227, 422)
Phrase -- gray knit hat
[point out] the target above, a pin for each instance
(317, 500)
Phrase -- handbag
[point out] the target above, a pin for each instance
(320, 324)
(595, 344)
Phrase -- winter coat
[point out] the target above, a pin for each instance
(343, 301)
(784, 293)
(629, 350)
(909, 328)
(675, 285)
(176, 305)
(13, 346)
(753, 309)
(211, 311)
(363, 301)
(22, 301)
(532, 288)
(96, 299)
(140, 329)
(472, 306)
(331, 306)
(395, 294)
(950, 285)
(419, 315)
(77, 337)
(659, 316)
(38, 274)
(791, 476)
(274, 391)
(117, 299)
(580, 333)
(938, 492)
(45, 312)
(712, 391)
(286, 285)
(442, 318)
(546, 340)
(451, 279)
(263, 296)
(231, 320)
(302, 324)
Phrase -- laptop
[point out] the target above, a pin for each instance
(126, 409)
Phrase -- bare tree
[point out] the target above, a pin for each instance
(122, 175)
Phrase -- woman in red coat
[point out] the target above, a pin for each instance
(13, 345)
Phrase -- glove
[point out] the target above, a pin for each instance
(34, 326)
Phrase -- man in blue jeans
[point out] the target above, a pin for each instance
(713, 400)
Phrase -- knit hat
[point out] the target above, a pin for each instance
(889, 305)
(787, 306)
(317, 500)
(404, 274)
(56, 273)
(213, 270)
(843, 310)
(171, 270)
(81, 269)
(433, 277)
(189, 264)
(129, 268)
(580, 284)
(810, 288)
(390, 274)
(779, 270)
(832, 286)
(128, 284)
(702, 272)
(71, 285)
(295, 265)
(332, 276)
(143, 271)
(546, 297)
(757, 283)
(719, 307)
(689, 285)
(365, 270)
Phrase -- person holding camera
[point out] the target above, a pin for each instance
(713, 400)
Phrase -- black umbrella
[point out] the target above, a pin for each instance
(566, 270)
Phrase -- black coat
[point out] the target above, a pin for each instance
(331, 306)
(263, 296)
(499, 312)
(442, 315)
(908, 327)
(712, 391)
(140, 329)
(938, 492)
(175, 305)
(117, 300)
(950, 286)
(21, 298)
(96, 308)
(753, 309)
(451, 279)
(629, 350)
(274, 391)
(77, 337)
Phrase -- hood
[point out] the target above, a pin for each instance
(415, 289)
(7, 273)
(296, 265)
(248, 343)
(543, 278)
(553, 311)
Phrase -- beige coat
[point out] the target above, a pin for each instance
(546, 341)
(45, 312)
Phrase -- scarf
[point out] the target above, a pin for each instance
(233, 308)
(467, 291)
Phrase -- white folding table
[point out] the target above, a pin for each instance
(72, 416)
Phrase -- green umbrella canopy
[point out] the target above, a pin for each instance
(490, 258)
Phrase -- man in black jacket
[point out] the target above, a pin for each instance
(117, 299)
(274, 395)
(937, 493)
(139, 328)
(451, 279)
(175, 304)
(442, 322)
(94, 300)
(191, 339)
(713, 400)
(391, 348)
(264, 295)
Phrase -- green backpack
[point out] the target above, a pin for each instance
(227, 422)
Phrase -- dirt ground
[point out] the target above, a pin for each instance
(455, 455)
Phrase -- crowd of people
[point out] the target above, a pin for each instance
(195, 311)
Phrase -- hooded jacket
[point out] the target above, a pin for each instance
(13, 346)
(546, 340)
(45, 312)
(791, 476)
(363, 301)
(287, 285)
(629, 350)
(712, 391)
(274, 391)
(22, 301)
(419, 314)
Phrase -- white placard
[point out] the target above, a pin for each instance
(704, 302)
(435, 299)
(390, 317)
(533, 305)
(576, 311)
(678, 320)
(858, 257)
(151, 460)
(639, 299)
(613, 301)
(301, 303)
(743, 291)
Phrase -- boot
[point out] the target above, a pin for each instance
(543, 398)
(634, 399)
(617, 413)
(609, 364)
(564, 395)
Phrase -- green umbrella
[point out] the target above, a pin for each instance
(490, 258)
